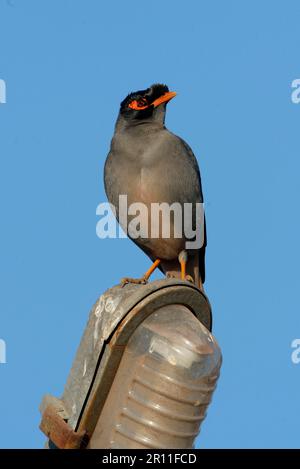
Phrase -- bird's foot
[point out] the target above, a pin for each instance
(189, 278)
(137, 281)
(144, 279)
(172, 275)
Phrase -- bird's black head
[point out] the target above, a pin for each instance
(143, 104)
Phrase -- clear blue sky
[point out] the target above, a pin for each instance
(67, 65)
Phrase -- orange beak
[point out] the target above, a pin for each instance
(164, 98)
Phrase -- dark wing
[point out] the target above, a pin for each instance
(203, 248)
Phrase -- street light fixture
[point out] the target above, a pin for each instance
(144, 373)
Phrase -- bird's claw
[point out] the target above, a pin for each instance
(137, 281)
(189, 278)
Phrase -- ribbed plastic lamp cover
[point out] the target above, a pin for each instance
(163, 385)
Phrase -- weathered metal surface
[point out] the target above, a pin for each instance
(56, 403)
(59, 432)
(103, 318)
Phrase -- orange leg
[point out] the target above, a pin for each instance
(151, 269)
(144, 279)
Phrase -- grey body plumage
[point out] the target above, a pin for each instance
(150, 164)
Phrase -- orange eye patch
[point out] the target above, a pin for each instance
(138, 105)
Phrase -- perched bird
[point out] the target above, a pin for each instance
(149, 164)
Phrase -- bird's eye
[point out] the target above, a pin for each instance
(142, 102)
(138, 104)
